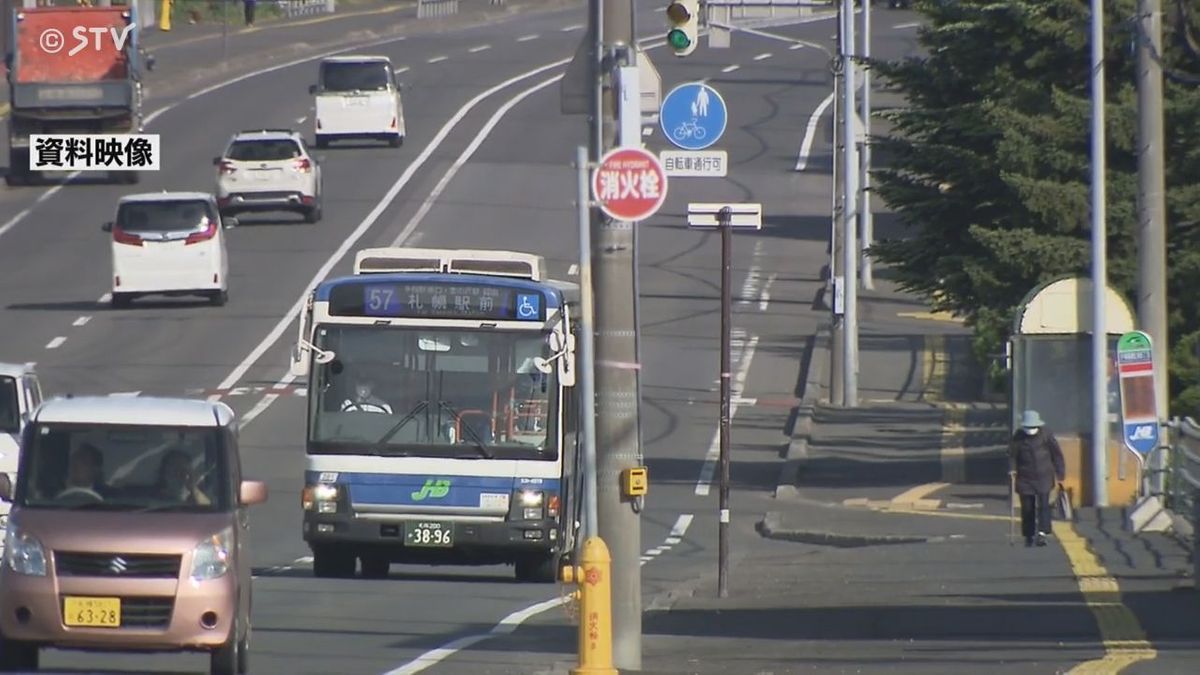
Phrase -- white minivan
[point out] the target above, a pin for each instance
(358, 97)
(20, 394)
(169, 243)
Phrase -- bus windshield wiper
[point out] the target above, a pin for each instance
(400, 425)
(479, 444)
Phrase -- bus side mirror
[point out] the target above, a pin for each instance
(299, 364)
(566, 363)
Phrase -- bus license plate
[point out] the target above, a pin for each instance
(92, 612)
(427, 534)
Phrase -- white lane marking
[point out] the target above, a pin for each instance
(81, 321)
(507, 625)
(764, 296)
(760, 57)
(279, 569)
(574, 26)
(527, 38)
(277, 332)
(437, 59)
(714, 449)
(573, 269)
(126, 393)
(402, 69)
(258, 409)
(797, 46)
(676, 535)
(730, 69)
(647, 131)
(486, 131)
(300, 120)
(810, 133)
(56, 342)
(213, 398)
(475, 50)
(104, 299)
(910, 24)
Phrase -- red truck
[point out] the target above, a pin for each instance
(72, 70)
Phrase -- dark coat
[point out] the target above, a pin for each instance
(1038, 461)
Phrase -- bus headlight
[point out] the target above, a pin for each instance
(321, 498)
(530, 498)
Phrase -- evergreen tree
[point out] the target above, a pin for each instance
(992, 165)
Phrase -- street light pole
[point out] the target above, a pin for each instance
(850, 171)
(868, 223)
(1099, 271)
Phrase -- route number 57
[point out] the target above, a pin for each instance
(379, 299)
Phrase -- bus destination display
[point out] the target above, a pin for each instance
(440, 301)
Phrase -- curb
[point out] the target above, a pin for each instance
(817, 356)
(770, 527)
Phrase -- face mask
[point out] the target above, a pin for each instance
(1032, 431)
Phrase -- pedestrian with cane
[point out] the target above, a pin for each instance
(1036, 465)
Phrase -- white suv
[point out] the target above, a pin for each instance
(268, 170)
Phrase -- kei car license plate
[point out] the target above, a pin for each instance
(92, 612)
(429, 534)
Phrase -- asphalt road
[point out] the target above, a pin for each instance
(513, 190)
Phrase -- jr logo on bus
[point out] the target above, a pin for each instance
(434, 489)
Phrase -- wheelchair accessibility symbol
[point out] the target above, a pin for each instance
(529, 306)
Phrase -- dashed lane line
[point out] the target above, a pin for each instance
(704, 485)
(730, 69)
(676, 535)
(480, 48)
(568, 29)
(527, 38)
(437, 59)
(763, 56)
(81, 321)
(56, 342)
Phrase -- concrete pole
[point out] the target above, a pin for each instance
(868, 221)
(835, 236)
(587, 349)
(617, 369)
(1151, 203)
(850, 170)
(1099, 272)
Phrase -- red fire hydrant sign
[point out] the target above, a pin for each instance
(629, 184)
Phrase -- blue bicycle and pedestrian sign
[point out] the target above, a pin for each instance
(693, 116)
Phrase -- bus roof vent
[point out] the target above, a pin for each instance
(460, 261)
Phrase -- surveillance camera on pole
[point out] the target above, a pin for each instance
(684, 18)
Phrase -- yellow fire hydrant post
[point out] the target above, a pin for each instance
(595, 607)
(164, 15)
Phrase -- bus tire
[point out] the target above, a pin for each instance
(330, 563)
(539, 570)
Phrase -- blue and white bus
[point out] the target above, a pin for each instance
(441, 413)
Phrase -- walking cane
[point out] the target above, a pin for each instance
(1012, 507)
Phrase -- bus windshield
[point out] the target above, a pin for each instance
(432, 392)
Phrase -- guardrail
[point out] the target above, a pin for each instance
(431, 9)
(295, 8)
(1183, 471)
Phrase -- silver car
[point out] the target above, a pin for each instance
(268, 170)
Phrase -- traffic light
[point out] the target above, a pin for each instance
(684, 17)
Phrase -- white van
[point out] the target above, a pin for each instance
(20, 394)
(169, 243)
(358, 97)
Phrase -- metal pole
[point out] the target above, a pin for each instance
(835, 238)
(1151, 204)
(724, 216)
(584, 355)
(849, 216)
(1099, 272)
(617, 368)
(868, 224)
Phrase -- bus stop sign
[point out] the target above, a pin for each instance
(1139, 409)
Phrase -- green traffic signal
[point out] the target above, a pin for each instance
(678, 39)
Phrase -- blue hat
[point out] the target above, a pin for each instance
(1031, 418)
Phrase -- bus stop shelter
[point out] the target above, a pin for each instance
(1051, 372)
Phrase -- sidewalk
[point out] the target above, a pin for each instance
(891, 551)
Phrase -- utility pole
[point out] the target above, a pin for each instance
(868, 221)
(1099, 271)
(724, 221)
(1151, 205)
(617, 370)
(836, 356)
(850, 171)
